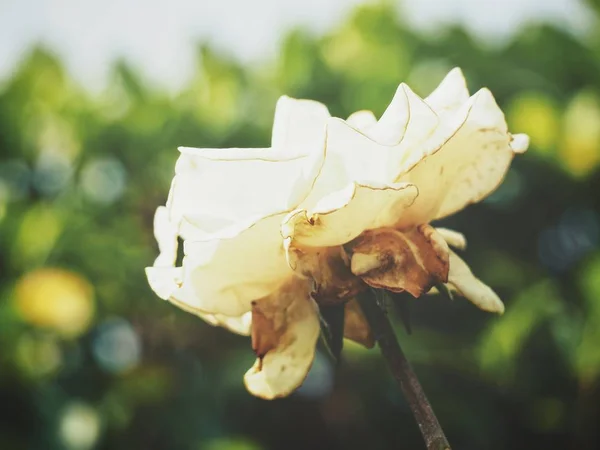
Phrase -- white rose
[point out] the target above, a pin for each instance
(331, 207)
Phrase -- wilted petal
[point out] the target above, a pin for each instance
(356, 327)
(329, 270)
(412, 261)
(461, 279)
(453, 238)
(285, 329)
(463, 168)
(343, 215)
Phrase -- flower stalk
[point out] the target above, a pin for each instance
(406, 378)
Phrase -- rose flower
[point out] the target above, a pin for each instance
(332, 208)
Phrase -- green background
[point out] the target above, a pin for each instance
(91, 358)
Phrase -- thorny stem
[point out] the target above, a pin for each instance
(402, 371)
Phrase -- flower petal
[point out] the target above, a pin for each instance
(466, 284)
(362, 120)
(519, 143)
(298, 127)
(451, 93)
(165, 281)
(235, 184)
(453, 238)
(224, 276)
(285, 329)
(343, 215)
(464, 168)
(356, 327)
(329, 270)
(412, 261)
(165, 233)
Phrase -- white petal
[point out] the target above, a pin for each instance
(166, 281)
(451, 93)
(284, 368)
(453, 238)
(238, 325)
(238, 190)
(362, 120)
(224, 276)
(477, 157)
(232, 185)
(165, 233)
(354, 157)
(462, 279)
(407, 117)
(344, 215)
(298, 127)
(519, 143)
(462, 163)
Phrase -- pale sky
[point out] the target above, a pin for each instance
(159, 36)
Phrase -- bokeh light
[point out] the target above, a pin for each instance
(80, 426)
(103, 180)
(56, 299)
(116, 346)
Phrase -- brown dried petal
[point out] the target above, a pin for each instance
(285, 329)
(329, 268)
(356, 327)
(411, 261)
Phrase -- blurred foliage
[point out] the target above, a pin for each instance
(92, 359)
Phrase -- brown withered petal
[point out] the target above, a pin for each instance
(329, 268)
(266, 329)
(411, 261)
(285, 329)
(356, 327)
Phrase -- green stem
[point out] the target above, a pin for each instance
(403, 373)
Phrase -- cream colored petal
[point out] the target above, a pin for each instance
(165, 233)
(166, 281)
(285, 330)
(343, 215)
(355, 157)
(453, 238)
(451, 93)
(298, 127)
(407, 113)
(224, 276)
(519, 143)
(362, 120)
(465, 167)
(232, 191)
(239, 325)
(236, 185)
(466, 284)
